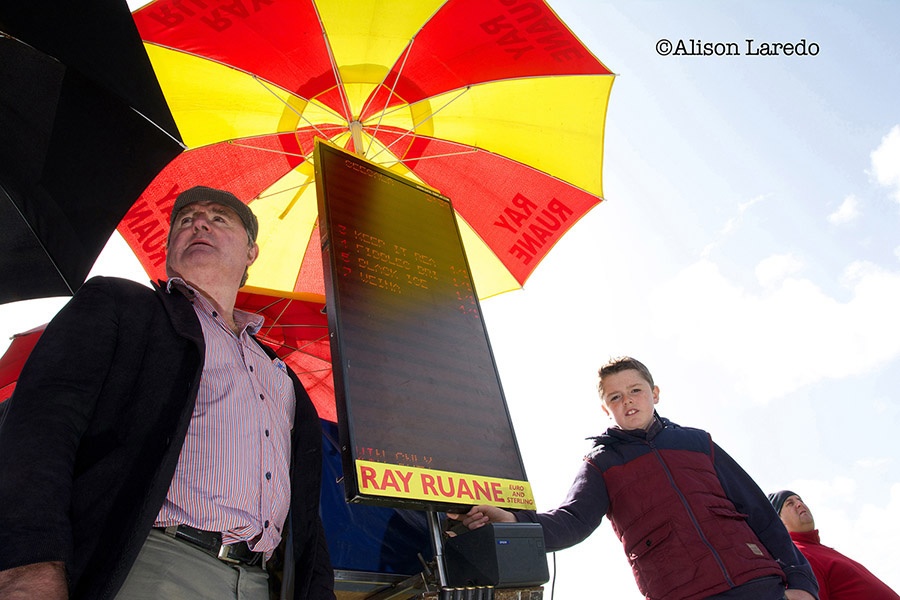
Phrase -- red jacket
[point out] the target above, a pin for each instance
(840, 578)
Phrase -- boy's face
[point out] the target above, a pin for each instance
(629, 399)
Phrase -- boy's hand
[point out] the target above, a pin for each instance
(798, 595)
(481, 515)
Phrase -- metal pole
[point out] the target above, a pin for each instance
(437, 544)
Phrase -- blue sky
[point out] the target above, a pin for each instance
(748, 252)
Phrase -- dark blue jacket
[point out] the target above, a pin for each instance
(692, 522)
(94, 429)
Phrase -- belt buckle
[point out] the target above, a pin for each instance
(225, 555)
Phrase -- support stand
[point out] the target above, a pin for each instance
(437, 544)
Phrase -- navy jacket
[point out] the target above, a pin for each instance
(87, 454)
(692, 522)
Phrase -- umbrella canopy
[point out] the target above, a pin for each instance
(83, 129)
(494, 103)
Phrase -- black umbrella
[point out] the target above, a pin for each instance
(84, 128)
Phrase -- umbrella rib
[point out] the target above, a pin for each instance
(300, 115)
(387, 100)
(425, 120)
(158, 126)
(281, 152)
(432, 156)
(40, 242)
(281, 314)
(345, 102)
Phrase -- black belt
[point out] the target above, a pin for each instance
(211, 543)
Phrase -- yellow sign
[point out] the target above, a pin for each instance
(396, 481)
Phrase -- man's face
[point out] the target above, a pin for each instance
(796, 516)
(629, 399)
(208, 239)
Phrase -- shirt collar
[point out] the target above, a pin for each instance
(253, 322)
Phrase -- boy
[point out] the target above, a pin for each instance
(694, 525)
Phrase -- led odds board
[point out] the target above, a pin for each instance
(421, 412)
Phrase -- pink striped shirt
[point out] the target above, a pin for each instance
(233, 471)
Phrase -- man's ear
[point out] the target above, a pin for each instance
(252, 254)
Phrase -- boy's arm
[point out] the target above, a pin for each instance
(578, 516)
(749, 499)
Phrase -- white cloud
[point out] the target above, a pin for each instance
(873, 463)
(886, 161)
(731, 225)
(774, 269)
(867, 536)
(791, 331)
(848, 211)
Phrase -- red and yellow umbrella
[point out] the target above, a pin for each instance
(494, 103)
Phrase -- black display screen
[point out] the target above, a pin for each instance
(421, 411)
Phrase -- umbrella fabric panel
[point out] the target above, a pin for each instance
(554, 125)
(214, 102)
(296, 328)
(99, 40)
(14, 358)
(471, 42)
(261, 39)
(243, 169)
(73, 158)
(84, 127)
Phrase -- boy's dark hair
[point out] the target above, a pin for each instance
(623, 363)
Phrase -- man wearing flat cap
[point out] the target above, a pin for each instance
(839, 577)
(152, 448)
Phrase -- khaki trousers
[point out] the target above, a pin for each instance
(172, 569)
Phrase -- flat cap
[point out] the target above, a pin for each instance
(201, 193)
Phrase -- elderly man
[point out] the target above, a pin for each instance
(840, 578)
(152, 448)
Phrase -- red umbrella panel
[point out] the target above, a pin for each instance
(295, 328)
(14, 358)
(494, 103)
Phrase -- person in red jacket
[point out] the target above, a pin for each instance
(693, 523)
(840, 578)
